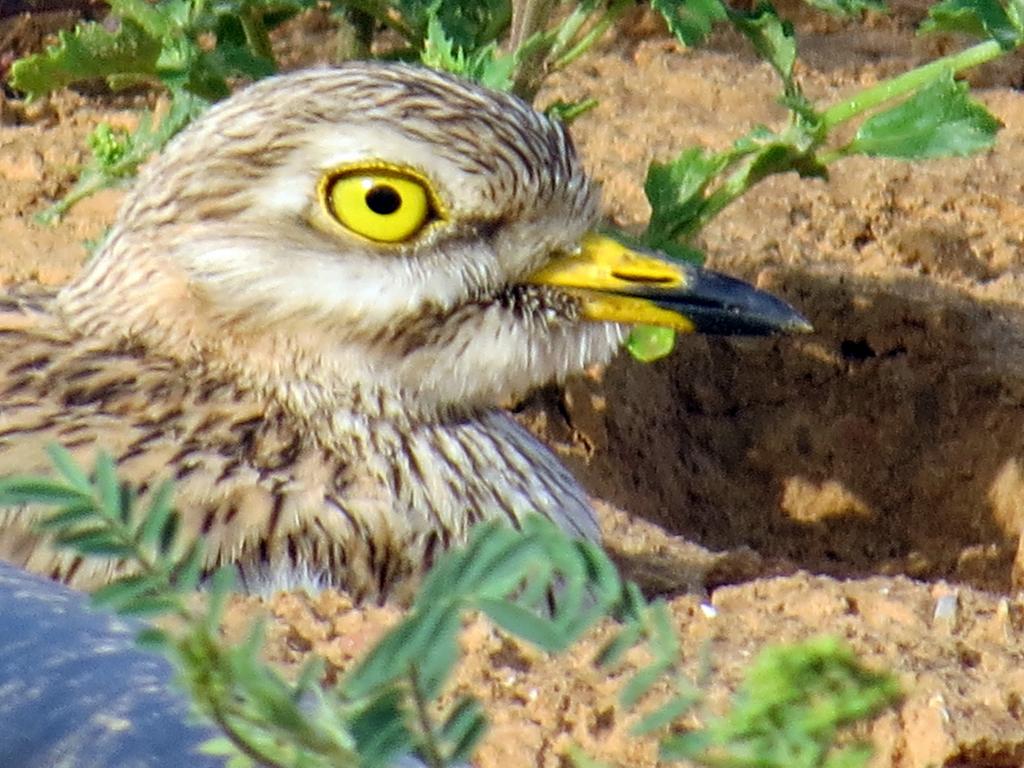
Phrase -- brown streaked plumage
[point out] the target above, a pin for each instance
(325, 402)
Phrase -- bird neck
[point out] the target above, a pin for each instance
(140, 301)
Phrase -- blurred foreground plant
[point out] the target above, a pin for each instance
(535, 584)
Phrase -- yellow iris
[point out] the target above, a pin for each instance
(384, 205)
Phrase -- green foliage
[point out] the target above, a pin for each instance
(194, 49)
(979, 18)
(484, 64)
(933, 117)
(163, 43)
(937, 121)
(788, 711)
(648, 343)
(116, 155)
(88, 53)
(848, 7)
(535, 584)
(691, 20)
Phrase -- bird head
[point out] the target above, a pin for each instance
(379, 226)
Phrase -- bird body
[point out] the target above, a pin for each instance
(362, 497)
(306, 313)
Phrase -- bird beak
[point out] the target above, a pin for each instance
(617, 284)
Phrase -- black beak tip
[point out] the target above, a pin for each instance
(725, 306)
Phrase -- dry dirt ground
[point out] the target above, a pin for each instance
(839, 483)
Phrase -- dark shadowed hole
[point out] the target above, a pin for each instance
(856, 349)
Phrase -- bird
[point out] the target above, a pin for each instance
(307, 313)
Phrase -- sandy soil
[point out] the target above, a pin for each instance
(837, 483)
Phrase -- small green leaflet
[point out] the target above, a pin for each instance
(847, 7)
(788, 709)
(690, 20)
(485, 64)
(648, 343)
(771, 37)
(675, 191)
(89, 52)
(938, 121)
(979, 18)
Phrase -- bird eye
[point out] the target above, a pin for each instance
(389, 206)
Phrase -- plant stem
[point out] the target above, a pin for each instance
(432, 756)
(256, 33)
(740, 181)
(907, 82)
(610, 16)
(562, 37)
(223, 721)
(528, 18)
(528, 45)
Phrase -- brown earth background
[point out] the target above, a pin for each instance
(771, 490)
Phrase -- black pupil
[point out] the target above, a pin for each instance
(383, 200)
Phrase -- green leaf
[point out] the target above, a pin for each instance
(135, 595)
(648, 343)
(641, 683)
(19, 490)
(435, 664)
(120, 593)
(1015, 12)
(157, 21)
(188, 571)
(939, 121)
(675, 191)
(69, 469)
(789, 708)
(496, 564)
(613, 651)
(98, 540)
(470, 24)
(379, 728)
(154, 639)
(240, 60)
(664, 715)
(68, 516)
(403, 647)
(108, 146)
(154, 524)
(220, 746)
(687, 746)
(771, 37)
(492, 69)
(523, 623)
(222, 584)
(690, 20)
(848, 7)
(149, 606)
(580, 759)
(88, 53)
(102, 172)
(484, 65)
(107, 486)
(463, 729)
(979, 18)
(567, 111)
